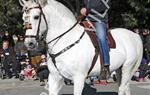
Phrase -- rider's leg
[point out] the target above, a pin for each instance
(104, 49)
(102, 41)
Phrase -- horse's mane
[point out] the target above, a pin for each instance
(63, 10)
(68, 4)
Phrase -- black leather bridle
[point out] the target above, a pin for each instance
(43, 36)
(53, 56)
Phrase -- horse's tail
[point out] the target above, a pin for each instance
(137, 61)
(140, 55)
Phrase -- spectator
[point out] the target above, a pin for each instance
(136, 30)
(135, 77)
(147, 74)
(36, 53)
(7, 56)
(8, 37)
(147, 45)
(26, 69)
(15, 38)
(42, 70)
(1, 35)
(20, 48)
(20, 51)
(142, 69)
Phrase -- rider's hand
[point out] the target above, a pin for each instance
(2, 55)
(83, 11)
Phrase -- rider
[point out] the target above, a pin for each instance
(96, 11)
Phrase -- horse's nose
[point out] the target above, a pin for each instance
(27, 26)
(31, 44)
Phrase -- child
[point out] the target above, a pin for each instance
(27, 70)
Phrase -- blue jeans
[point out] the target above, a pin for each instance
(102, 41)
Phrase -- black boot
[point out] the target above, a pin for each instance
(105, 73)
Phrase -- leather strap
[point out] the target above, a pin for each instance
(94, 61)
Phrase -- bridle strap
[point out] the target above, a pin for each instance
(30, 36)
(80, 18)
(34, 7)
(43, 36)
(26, 10)
(38, 30)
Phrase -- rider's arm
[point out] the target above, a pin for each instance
(84, 10)
(1, 53)
(97, 5)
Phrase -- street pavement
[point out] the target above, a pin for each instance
(30, 87)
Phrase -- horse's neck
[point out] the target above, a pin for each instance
(60, 19)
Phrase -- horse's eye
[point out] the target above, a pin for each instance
(36, 17)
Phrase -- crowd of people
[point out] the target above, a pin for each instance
(143, 71)
(16, 61)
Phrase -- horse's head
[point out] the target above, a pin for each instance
(35, 22)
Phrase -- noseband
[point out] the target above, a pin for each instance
(27, 25)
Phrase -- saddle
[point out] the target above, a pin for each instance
(92, 34)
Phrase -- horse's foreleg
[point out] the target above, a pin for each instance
(79, 84)
(55, 83)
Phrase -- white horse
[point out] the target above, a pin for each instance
(75, 63)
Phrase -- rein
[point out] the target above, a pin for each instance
(63, 33)
(80, 18)
(53, 56)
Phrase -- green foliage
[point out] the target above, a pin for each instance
(123, 13)
(130, 13)
(10, 16)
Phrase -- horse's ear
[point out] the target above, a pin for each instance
(21, 3)
(42, 2)
(35, 1)
(26, 2)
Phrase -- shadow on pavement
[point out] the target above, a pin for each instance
(107, 93)
(92, 91)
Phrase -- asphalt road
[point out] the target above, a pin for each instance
(29, 87)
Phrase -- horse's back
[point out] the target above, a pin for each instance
(129, 43)
(127, 37)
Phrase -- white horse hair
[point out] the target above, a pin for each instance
(75, 63)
